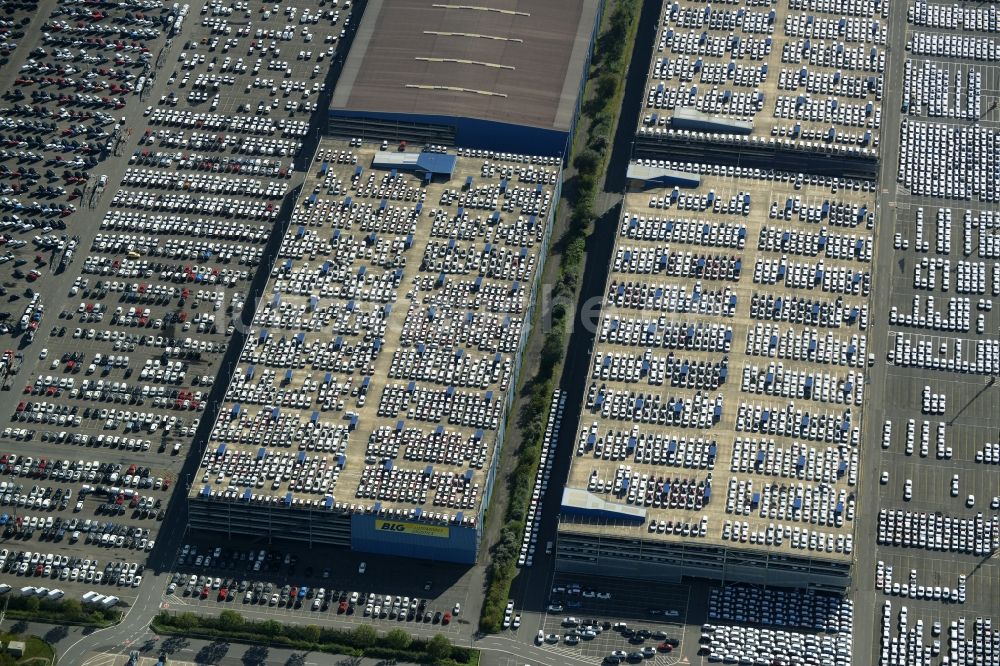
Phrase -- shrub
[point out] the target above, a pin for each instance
(587, 161)
(606, 87)
(186, 620)
(311, 633)
(361, 641)
(270, 627)
(439, 647)
(397, 639)
(230, 620)
(363, 636)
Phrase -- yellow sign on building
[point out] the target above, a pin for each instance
(438, 531)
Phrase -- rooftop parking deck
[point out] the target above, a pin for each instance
(727, 376)
(801, 74)
(378, 369)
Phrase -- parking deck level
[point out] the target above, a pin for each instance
(732, 335)
(800, 82)
(369, 403)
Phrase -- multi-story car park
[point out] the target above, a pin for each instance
(132, 314)
(720, 429)
(919, 482)
(795, 85)
(398, 417)
(369, 403)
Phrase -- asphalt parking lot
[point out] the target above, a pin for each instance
(942, 248)
(630, 603)
(439, 585)
(132, 309)
(23, 264)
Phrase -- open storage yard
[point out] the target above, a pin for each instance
(935, 521)
(166, 196)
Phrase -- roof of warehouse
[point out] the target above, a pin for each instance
(513, 61)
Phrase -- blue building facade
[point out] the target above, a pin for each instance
(463, 132)
(382, 535)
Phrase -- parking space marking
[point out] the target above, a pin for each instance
(621, 608)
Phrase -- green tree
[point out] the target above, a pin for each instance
(506, 545)
(32, 604)
(439, 647)
(598, 142)
(364, 636)
(575, 251)
(230, 620)
(185, 621)
(552, 350)
(586, 161)
(605, 87)
(586, 186)
(603, 118)
(270, 628)
(398, 639)
(311, 633)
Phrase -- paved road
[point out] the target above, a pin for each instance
(863, 591)
(183, 651)
(104, 647)
(530, 589)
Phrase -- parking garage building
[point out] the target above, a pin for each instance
(369, 405)
(766, 86)
(720, 425)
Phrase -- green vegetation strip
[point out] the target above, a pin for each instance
(603, 95)
(63, 611)
(36, 651)
(362, 641)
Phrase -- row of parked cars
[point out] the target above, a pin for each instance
(533, 523)
(316, 599)
(63, 567)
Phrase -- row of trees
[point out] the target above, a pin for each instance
(600, 110)
(362, 641)
(61, 611)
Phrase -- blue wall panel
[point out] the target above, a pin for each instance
(477, 133)
(459, 547)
